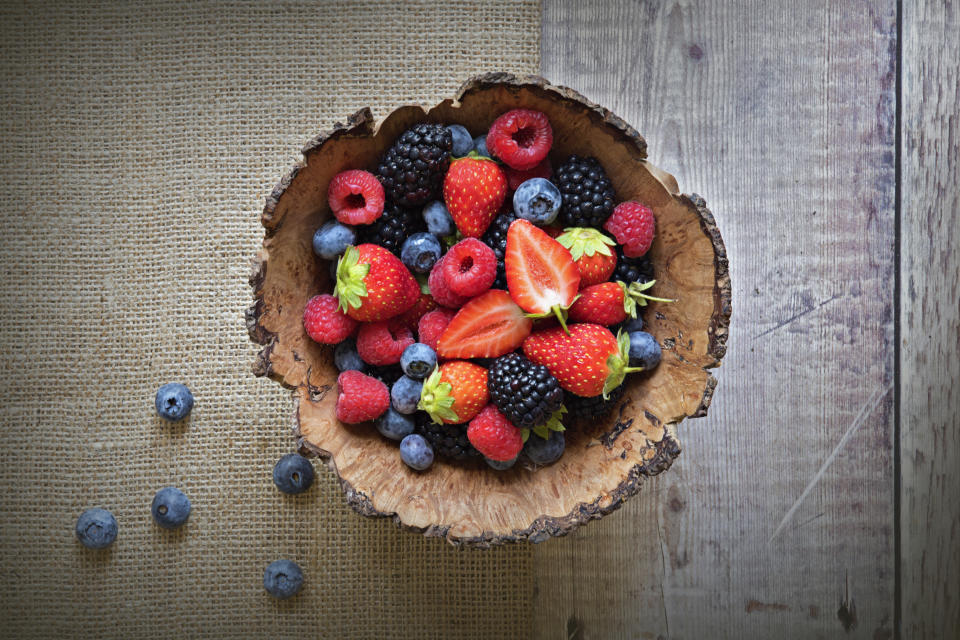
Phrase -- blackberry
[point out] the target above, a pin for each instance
(587, 193)
(447, 440)
(496, 239)
(412, 170)
(524, 392)
(392, 228)
(632, 269)
(595, 406)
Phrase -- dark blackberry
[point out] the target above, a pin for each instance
(387, 374)
(587, 193)
(594, 406)
(412, 170)
(496, 239)
(524, 392)
(632, 269)
(392, 228)
(448, 440)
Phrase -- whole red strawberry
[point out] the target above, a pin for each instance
(632, 224)
(373, 285)
(611, 302)
(494, 436)
(360, 397)
(455, 392)
(473, 190)
(588, 361)
(488, 326)
(325, 322)
(591, 252)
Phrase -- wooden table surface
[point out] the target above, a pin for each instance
(820, 497)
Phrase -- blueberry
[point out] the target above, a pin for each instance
(644, 350)
(537, 200)
(500, 465)
(462, 140)
(545, 451)
(174, 401)
(438, 219)
(632, 324)
(96, 528)
(480, 145)
(346, 358)
(405, 394)
(418, 360)
(283, 579)
(332, 239)
(170, 508)
(395, 425)
(420, 252)
(416, 452)
(293, 473)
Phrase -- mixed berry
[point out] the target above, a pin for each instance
(485, 292)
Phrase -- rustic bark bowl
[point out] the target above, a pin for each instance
(606, 459)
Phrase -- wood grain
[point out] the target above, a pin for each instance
(930, 321)
(777, 520)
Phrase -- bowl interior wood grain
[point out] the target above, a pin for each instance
(606, 459)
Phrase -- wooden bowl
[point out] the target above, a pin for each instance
(605, 460)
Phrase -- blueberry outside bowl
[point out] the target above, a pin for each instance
(606, 460)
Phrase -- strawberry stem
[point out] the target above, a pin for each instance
(561, 314)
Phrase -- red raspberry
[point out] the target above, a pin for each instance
(325, 322)
(632, 224)
(424, 305)
(382, 343)
(516, 178)
(440, 289)
(521, 138)
(355, 197)
(361, 398)
(470, 267)
(432, 326)
(494, 436)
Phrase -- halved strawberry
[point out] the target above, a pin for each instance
(541, 274)
(488, 326)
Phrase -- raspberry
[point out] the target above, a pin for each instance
(432, 326)
(440, 289)
(521, 138)
(469, 268)
(515, 178)
(494, 436)
(361, 398)
(325, 322)
(355, 197)
(424, 305)
(632, 224)
(382, 343)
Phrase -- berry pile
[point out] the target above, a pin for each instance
(485, 291)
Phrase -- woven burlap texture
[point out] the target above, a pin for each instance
(137, 145)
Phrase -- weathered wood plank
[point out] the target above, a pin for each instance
(930, 321)
(777, 520)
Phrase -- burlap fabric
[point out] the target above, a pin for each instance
(137, 144)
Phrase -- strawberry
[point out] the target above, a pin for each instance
(473, 190)
(611, 302)
(424, 304)
(541, 275)
(591, 251)
(455, 392)
(493, 435)
(373, 285)
(587, 361)
(489, 326)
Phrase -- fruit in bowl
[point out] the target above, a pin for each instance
(570, 303)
